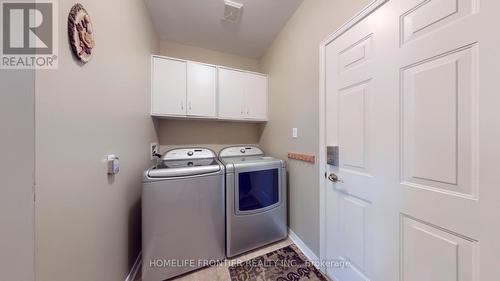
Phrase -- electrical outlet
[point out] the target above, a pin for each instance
(154, 149)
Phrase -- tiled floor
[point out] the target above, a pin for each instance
(221, 272)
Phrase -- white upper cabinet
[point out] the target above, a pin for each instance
(231, 94)
(256, 96)
(242, 95)
(168, 87)
(190, 89)
(201, 90)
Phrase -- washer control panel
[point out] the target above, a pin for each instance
(188, 153)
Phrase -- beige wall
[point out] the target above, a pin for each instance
(212, 134)
(17, 171)
(292, 62)
(176, 50)
(87, 223)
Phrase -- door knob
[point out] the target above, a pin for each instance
(334, 178)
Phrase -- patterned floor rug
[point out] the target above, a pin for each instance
(285, 264)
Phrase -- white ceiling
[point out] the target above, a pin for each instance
(200, 23)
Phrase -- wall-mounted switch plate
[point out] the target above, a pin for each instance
(295, 133)
(154, 150)
(113, 164)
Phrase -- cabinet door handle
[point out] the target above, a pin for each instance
(189, 105)
(182, 105)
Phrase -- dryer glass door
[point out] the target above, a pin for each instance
(258, 190)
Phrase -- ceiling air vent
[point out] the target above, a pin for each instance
(232, 11)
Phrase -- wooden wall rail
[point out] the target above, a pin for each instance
(302, 157)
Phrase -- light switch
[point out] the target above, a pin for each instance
(295, 133)
(113, 164)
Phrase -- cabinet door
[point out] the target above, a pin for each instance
(231, 95)
(201, 90)
(169, 87)
(255, 96)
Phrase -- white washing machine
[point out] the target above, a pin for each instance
(182, 214)
(256, 193)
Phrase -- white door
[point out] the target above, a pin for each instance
(411, 102)
(355, 207)
(169, 87)
(231, 94)
(201, 90)
(255, 96)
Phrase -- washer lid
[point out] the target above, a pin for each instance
(185, 162)
(241, 151)
(170, 169)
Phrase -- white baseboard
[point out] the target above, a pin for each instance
(302, 246)
(135, 268)
(307, 252)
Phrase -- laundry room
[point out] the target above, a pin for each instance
(249, 140)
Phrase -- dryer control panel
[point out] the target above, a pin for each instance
(235, 151)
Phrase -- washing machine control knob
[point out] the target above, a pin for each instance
(190, 153)
(243, 150)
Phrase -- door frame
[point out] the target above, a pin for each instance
(367, 10)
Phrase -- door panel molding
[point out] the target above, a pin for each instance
(355, 54)
(353, 117)
(428, 15)
(422, 242)
(438, 98)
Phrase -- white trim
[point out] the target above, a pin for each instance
(302, 246)
(368, 9)
(202, 118)
(321, 156)
(135, 268)
(209, 64)
(243, 70)
(183, 60)
(372, 6)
